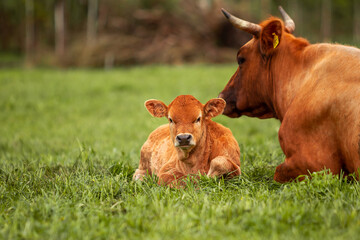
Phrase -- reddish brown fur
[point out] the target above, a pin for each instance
(313, 89)
(214, 152)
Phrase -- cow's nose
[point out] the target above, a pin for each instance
(184, 139)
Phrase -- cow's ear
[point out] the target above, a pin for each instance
(214, 107)
(270, 37)
(156, 108)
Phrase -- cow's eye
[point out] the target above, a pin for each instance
(198, 120)
(241, 60)
(170, 120)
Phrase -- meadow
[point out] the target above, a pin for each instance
(70, 141)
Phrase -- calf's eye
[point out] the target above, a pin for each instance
(198, 120)
(170, 120)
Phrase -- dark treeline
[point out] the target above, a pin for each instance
(107, 33)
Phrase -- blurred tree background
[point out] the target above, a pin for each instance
(108, 33)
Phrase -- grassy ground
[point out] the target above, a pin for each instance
(69, 144)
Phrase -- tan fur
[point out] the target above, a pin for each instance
(215, 153)
(313, 89)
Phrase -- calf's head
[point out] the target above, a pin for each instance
(187, 118)
(250, 90)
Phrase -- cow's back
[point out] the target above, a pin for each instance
(332, 63)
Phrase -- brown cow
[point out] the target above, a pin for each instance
(313, 89)
(190, 144)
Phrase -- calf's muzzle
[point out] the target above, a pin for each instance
(183, 139)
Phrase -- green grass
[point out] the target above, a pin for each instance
(70, 141)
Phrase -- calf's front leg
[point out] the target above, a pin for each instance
(222, 165)
(171, 177)
(144, 165)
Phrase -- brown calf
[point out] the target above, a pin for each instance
(190, 144)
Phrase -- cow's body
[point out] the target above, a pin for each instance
(320, 113)
(215, 151)
(314, 90)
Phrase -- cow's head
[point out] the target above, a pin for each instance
(249, 91)
(187, 118)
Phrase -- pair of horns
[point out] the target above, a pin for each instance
(254, 28)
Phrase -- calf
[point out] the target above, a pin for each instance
(191, 143)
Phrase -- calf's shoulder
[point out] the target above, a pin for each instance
(223, 142)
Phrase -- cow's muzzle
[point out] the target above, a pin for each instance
(230, 108)
(184, 140)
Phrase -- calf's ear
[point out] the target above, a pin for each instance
(270, 37)
(214, 107)
(156, 108)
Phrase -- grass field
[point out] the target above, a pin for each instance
(70, 141)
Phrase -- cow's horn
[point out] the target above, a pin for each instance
(249, 27)
(289, 23)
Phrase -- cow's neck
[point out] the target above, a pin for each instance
(287, 79)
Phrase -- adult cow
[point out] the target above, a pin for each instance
(313, 89)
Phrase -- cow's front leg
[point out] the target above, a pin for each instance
(300, 164)
(307, 151)
(290, 170)
(222, 165)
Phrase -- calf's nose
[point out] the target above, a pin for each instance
(184, 139)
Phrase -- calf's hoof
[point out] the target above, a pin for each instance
(139, 175)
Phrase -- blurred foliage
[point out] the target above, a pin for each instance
(161, 31)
